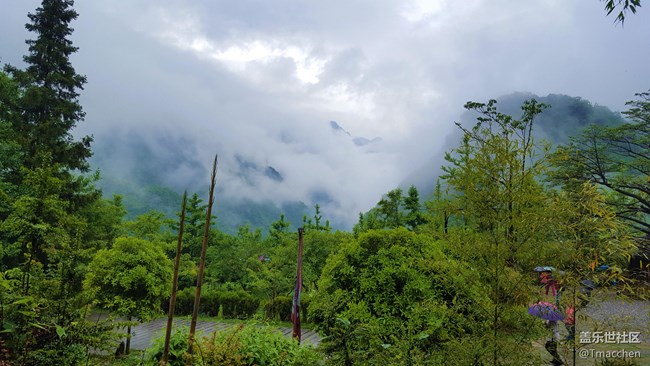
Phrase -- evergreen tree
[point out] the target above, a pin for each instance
(279, 228)
(48, 102)
(48, 213)
(389, 208)
(414, 217)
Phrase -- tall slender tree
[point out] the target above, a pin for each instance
(50, 85)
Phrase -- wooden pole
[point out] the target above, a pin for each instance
(295, 312)
(204, 247)
(172, 300)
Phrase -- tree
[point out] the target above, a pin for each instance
(317, 222)
(48, 101)
(617, 158)
(494, 176)
(278, 229)
(389, 208)
(41, 109)
(152, 226)
(414, 216)
(625, 6)
(590, 235)
(131, 279)
(194, 226)
(10, 160)
(439, 210)
(425, 301)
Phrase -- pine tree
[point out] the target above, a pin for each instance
(414, 216)
(49, 92)
(389, 208)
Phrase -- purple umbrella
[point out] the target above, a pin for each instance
(546, 311)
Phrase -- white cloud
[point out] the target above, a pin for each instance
(262, 79)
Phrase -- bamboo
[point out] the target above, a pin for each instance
(172, 300)
(204, 247)
(295, 313)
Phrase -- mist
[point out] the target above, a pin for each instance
(259, 82)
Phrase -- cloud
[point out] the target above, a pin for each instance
(261, 80)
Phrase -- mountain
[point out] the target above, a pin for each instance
(151, 171)
(359, 141)
(151, 174)
(565, 117)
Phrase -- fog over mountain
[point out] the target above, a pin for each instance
(259, 83)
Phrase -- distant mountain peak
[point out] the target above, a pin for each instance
(273, 174)
(358, 141)
(362, 141)
(336, 127)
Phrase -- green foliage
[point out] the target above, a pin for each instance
(255, 345)
(278, 228)
(616, 158)
(279, 308)
(151, 226)
(49, 91)
(131, 278)
(234, 304)
(393, 211)
(178, 346)
(389, 209)
(315, 223)
(625, 6)
(414, 216)
(394, 297)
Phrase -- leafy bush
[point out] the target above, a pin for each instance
(254, 345)
(393, 297)
(177, 347)
(279, 308)
(237, 304)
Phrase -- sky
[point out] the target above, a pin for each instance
(261, 80)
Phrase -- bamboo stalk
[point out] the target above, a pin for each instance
(295, 313)
(204, 247)
(172, 300)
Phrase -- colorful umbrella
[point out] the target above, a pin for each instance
(544, 269)
(546, 311)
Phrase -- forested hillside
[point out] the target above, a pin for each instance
(158, 184)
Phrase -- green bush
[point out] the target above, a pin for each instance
(177, 347)
(279, 308)
(237, 304)
(394, 297)
(254, 345)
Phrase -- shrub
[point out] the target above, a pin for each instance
(393, 296)
(255, 345)
(237, 304)
(177, 348)
(279, 308)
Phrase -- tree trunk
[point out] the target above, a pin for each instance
(128, 338)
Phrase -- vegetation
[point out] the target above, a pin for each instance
(441, 282)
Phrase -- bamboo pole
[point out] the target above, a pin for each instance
(172, 300)
(295, 313)
(204, 247)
